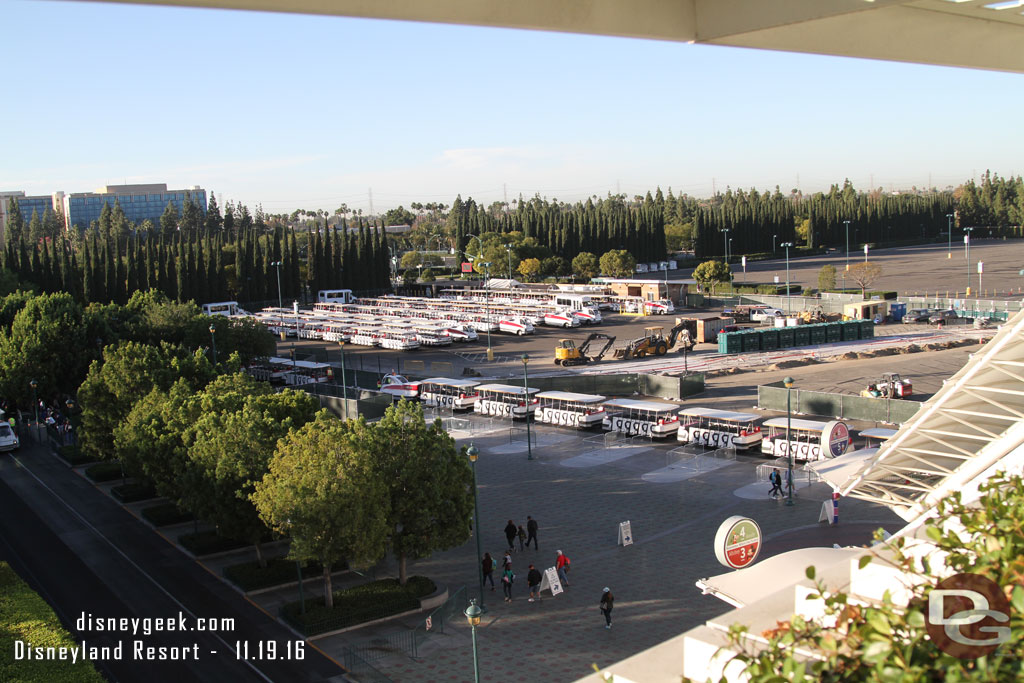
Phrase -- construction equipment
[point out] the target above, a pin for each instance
(685, 332)
(890, 386)
(656, 343)
(567, 353)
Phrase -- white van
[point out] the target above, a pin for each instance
(8, 439)
(335, 296)
(225, 308)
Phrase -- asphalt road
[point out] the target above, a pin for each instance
(85, 554)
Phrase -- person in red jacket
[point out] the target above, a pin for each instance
(562, 563)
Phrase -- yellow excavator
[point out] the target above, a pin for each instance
(656, 343)
(567, 353)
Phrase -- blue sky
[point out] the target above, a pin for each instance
(310, 112)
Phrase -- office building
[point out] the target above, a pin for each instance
(139, 202)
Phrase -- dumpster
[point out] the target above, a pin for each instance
(850, 330)
(867, 329)
(752, 341)
(787, 337)
(818, 333)
(730, 342)
(833, 332)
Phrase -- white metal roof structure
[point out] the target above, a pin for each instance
(505, 389)
(981, 34)
(448, 382)
(632, 404)
(570, 396)
(714, 414)
(972, 423)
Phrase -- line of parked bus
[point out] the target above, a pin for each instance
(586, 305)
(808, 440)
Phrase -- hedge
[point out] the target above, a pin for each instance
(133, 493)
(249, 576)
(165, 514)
(104, 471)
(26, 617)
(74, 456)
(359, 604)
(209, 542)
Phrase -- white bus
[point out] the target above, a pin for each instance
(719, 428)
(504, 400)
(641, 418)
(442, 392)
(808, 439)
(224, 308)
(567, 409)
(335, 296)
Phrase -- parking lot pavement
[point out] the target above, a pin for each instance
(579, 510)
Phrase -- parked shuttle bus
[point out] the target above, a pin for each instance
(641, 418)
(567, 409)
(442, 392)
(225, 308)
(719, 428)
(335, 296)
(808, 440)
(504, 400)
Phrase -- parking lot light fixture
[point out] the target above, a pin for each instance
(526, 403)
(35, 403)
(473, 617)
(967, 248)
(847, 244)
(787, 245)
(788, 382)
(213, 344)
(949, 235)
(472, 453)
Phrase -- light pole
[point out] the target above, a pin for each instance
(949, 235)
(967, 247)
(280, 304)
(847, 245)
(729, 252)
(773, 244)
(725, 243)
(487, 307)
(213, 343)
(508, 248)
(788, 381)
(473, 617)
(787, 245)
(35, 405)
(526, 389)
(344, 387)
(473, 453)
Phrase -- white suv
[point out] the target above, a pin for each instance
(8, 439)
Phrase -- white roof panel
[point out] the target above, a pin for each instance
(569, 396)
(642, 405)
(719, 414)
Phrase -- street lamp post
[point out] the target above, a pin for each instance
(508, 248)
(35, 405)
(725, 243)
(773, 244)
(280, 304)
(473, 453)
(473, 617)
(865, 253)
(847, 244)
(949, 235)
(967, 247)
(788, 381)
(787, 245)
(213, 343)
(344, 386)
(526, 403)
(487, 307)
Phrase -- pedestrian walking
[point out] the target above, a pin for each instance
(510, 534)
(506, 561)
(533, 578)
(531, 532)
(487, 565)
(776, 481)
(507, 579)
(562, 563)
(607, 602)
(521, 533)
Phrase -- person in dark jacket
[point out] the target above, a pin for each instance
(531, 532)
(533, 578)
(607, 602)
(487, 564)
(507, 577)
(510, 534)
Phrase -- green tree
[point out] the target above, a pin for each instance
(399, 216)
(586, 265)
(865, 274)
(428, 275)
(429, 483)
(231, 451)
(322, 490)
(710, 273)
(529, 268)
(679, 237)
(15, 222)
(827, 277)
(553, 266)
(169, 219)
(618, 263)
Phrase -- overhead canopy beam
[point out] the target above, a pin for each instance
(968, 33)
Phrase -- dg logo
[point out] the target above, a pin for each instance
(968, 616)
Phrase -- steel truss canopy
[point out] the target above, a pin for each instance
(980, 34)
(973, 424)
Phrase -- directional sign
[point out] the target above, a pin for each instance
(625, 533)
(738, 542)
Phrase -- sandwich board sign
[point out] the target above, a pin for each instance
(625, 534)
(550, 582)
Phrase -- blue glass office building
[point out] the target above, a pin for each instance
(139, 202)
(30, 204)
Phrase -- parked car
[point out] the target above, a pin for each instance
(8, 439)
(917, 315)
(944, 317)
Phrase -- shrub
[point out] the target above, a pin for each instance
(104, 471)
(165, 514)
(74, 456)
(26, 617)
(134, 492)
(359, 604)
(208, 542)
(249, 576)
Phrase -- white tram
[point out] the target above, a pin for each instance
(719, 428)
(808, 439)
(505, 400)
(567, 409)
(641, 418)
(442, 392)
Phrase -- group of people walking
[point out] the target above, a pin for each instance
(534, 577)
